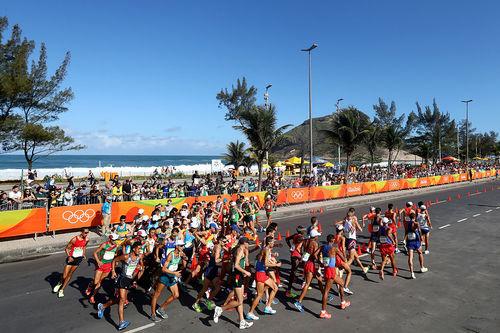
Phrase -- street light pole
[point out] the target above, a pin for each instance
(308, 50)
(337, 110)
(266, 95)
(467, 130)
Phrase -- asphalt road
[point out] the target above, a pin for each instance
(461, 291)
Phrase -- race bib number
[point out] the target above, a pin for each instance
(78, 252)
(108, 255)
(412, 236)
(375, 228)
(188, 245)
(384, 240)
(306, 257)
(129, 272)
(173, 268)
(233, 217)
(326, 261)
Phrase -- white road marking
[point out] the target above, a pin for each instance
(476, 215)
(489, 210)
(435, 203)
(445, 226)
(475, 193)
(459, 221)
(498, 207)
(141, 328)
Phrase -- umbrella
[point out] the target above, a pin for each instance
(449, 159)
(328, 165)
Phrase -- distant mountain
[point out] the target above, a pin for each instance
(297, 139)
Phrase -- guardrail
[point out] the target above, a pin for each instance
(39, 220)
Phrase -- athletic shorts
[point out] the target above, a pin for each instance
(211, 272)
(75, 262)
(338, 262)
(374, 237)
(168, 280)
(350, 244)
(261, 277)
(248, 218)
(413, 245)
(425, 231)
(386, 249)
(105, 268)
(124, 282)
(238, 280)
(330, 273)
(310, 267)
(268, 214)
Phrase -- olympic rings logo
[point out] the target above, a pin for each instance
(297, 195)
(78, 216)
(352, 189)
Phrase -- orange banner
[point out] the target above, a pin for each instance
(75, 217)
(354, 189)
(22, 222)
(297, 195)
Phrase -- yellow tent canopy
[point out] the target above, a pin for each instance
(328, 165)
(278, 164)
(294, 160)
(266, 166)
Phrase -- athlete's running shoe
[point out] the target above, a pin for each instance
(60, 294)
(155, 319)
(423, 269)
(217, 313)
(123, 325)
(88, 291)
(397, 250)
(298, 306)
(91, 300)
(251, 316)
(161, 313)
(348, 291)
(269, 310)
(366, 269)
(324, 315)
(345, 304)
(210, 305)
(245, 325)
(57, 287)
(426, 252)
(100, 310)
(291, 294)
(413, 275)
(395, 272)
(196, 307)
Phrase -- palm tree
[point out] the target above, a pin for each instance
(392, 136)
(259, 125)
(372, 141)
(236, 154)
(349, 127)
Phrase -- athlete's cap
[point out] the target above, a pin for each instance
(142, 233)
(140, 211)
(385, 220)
(155, 218)
(236, 228)
(225, 200)
(179, 242)
(372, 209)
(233, 203)
(145, 218)
(339, 227)
(194, 224)
(301, 228)
(113, 236)
(213, 225)
(423, 207)
(314, 233)
(409, 203)
(268, 196)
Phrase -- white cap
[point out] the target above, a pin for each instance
(409, 203)
(155, 218)
(423, 207)
(314, 233)
(269, 196)
(142, 233)
(145, 218)
(372, 208)
(113, 236)
(140, 211)
(195, 224)
(233, 203)
(385, 220)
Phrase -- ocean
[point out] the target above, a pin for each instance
(12, 166)
(93, 161)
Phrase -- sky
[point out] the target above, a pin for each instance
(145, 73)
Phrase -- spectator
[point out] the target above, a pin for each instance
(106, 216)
(15, 197)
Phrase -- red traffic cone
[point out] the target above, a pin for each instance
(364, 248)
(437, 200)
(477, 190)
(484, 190)
(449, 198)
(468, 194)
(287, 233)
(321, 210)
(359, 250)
(399, 223)
(279, 236)
(319, 227)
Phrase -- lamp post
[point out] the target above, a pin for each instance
(308, 50)
(337, 110)
(266, 95)
(467, 130)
